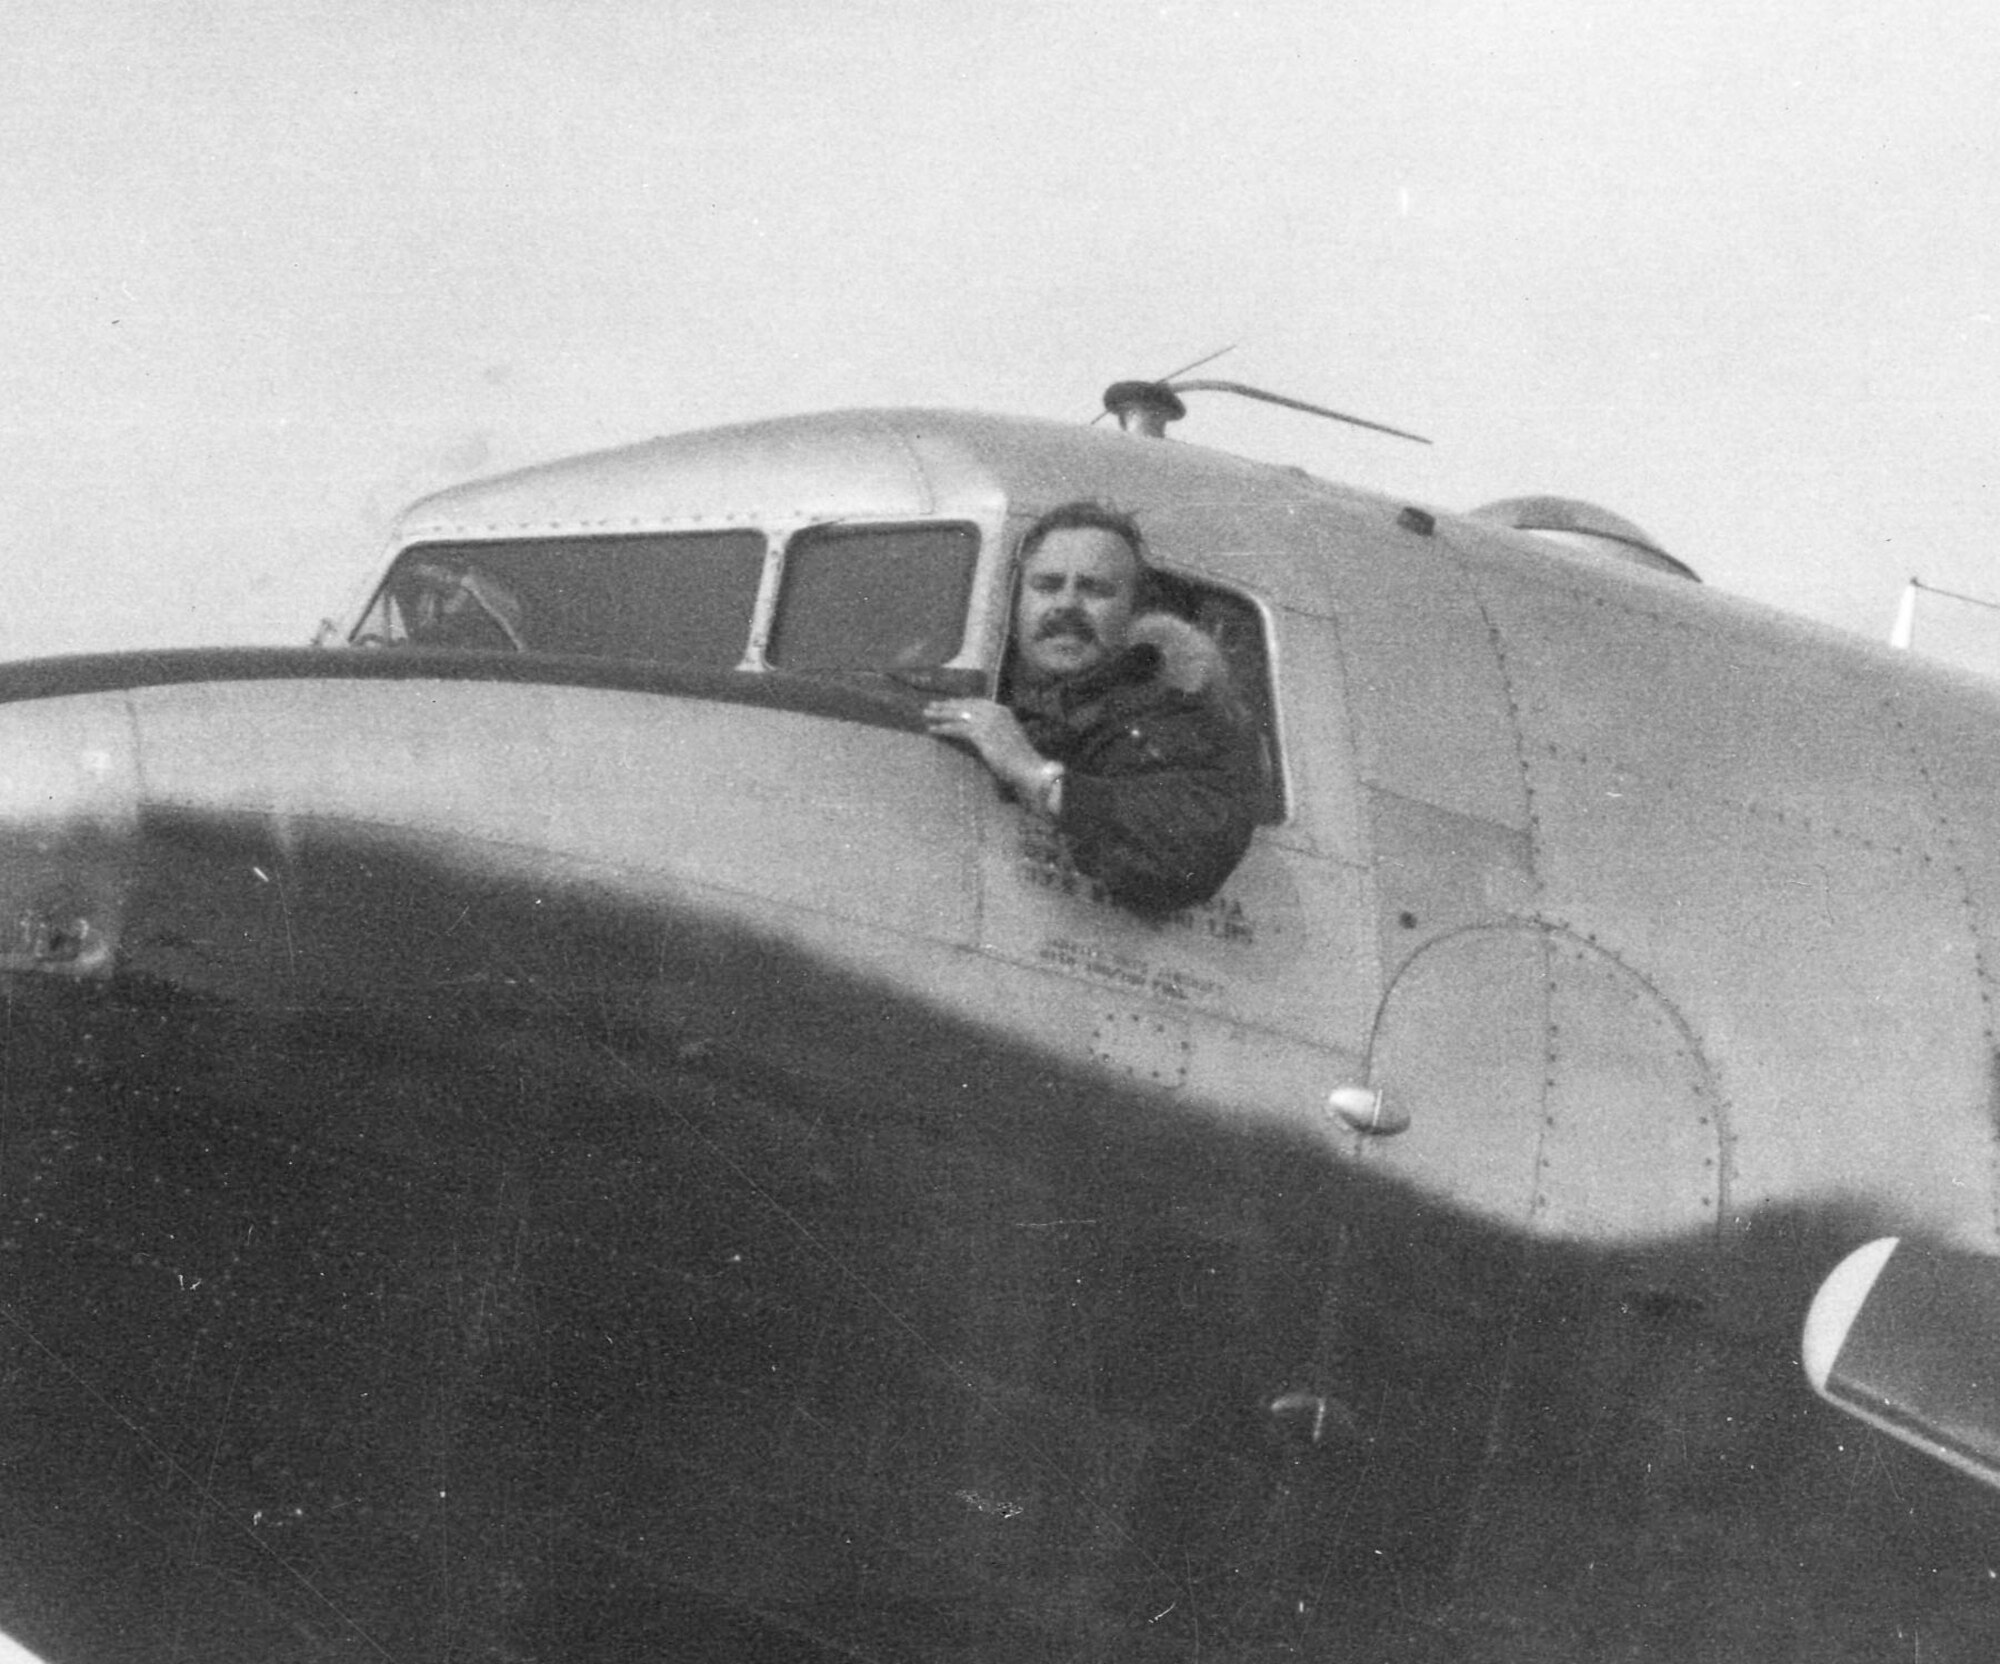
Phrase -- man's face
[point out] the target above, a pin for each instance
(1077, 594)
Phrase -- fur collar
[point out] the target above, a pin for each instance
(1185, 658)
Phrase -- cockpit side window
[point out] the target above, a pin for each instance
(873, 597)
(1237, 627)
(681, 598)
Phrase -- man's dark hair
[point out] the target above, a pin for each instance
(1087, 515)
(1084, 514)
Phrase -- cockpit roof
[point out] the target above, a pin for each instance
(884, 465)
(839, 463)
(1203, 511)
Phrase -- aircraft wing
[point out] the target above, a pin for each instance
(1907, 1338)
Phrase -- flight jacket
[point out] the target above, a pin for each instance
(1158, 766)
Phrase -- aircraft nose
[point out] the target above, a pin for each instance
(69, 801)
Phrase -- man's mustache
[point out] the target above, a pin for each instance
(1068, 622)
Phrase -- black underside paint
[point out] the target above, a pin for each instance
(401, 1264)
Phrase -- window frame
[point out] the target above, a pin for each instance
(1172, 592)
(464, 551)
(778, 593)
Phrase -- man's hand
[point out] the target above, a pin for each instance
(992, 731)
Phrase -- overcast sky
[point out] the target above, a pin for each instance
(271, 269)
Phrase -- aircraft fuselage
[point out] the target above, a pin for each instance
(516, 1152)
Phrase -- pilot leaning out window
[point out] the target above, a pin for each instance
(1121, 724)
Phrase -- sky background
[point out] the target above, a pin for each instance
(271, 270)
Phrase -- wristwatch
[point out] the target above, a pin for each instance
(1047, 790)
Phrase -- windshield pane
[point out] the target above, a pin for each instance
(873, 597)
(683, 598)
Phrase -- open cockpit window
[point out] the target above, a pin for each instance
(680, 598)
(1236, 625)
(873, 597)
(1238, 629)
(1233, 622)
